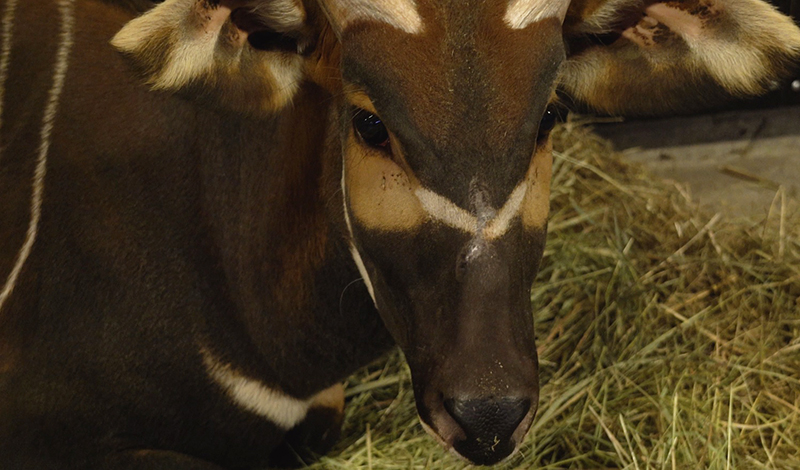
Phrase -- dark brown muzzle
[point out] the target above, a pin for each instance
(458, 304)
(489, 425)
(479, 388)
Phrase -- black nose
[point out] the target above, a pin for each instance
(488, 425)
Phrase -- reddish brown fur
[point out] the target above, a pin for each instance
(434, 86)
(306, 232)
(209, 217)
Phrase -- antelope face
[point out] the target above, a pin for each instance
(446, 163)
(446, 170)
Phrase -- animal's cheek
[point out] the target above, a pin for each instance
(380, 193)
(536, 205)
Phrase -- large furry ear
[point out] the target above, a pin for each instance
(646, 58)
(244, 55)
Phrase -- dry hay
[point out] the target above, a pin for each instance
(668, 338)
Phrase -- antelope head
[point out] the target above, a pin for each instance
(440, 115)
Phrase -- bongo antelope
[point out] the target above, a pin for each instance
(213, 211)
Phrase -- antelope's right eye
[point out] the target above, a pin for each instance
(370, 128)
(548, 121)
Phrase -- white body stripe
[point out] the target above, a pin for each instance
(252, 395)
(522, 13)
(5, 53)
(66, 9)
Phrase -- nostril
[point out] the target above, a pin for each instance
(488, 425)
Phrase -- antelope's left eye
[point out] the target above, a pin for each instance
(370, 128)
(548, 120)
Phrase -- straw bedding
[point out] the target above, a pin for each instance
(669, 338)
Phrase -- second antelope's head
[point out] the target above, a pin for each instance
(440, 120)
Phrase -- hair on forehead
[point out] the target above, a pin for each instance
(401, 14)
(522, 13)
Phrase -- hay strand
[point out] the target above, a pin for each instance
(668, 338)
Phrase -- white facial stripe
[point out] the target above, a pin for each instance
(522, 13)
(361, 268)
(67, 13)
(498, 226)
(353, 250)
(442, 209)
(401, 14)
(283, 410)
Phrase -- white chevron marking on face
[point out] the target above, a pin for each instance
(498, 226)
(444, 210)
(522, 13)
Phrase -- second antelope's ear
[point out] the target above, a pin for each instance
(244, 55)
(645, 58)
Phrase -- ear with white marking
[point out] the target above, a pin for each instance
(244, 55)
(645, 58)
